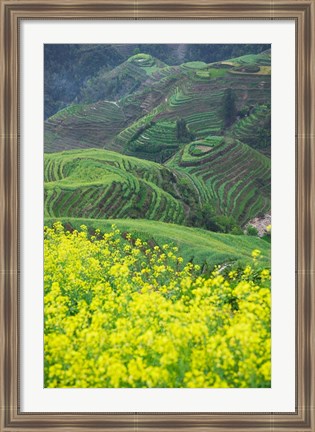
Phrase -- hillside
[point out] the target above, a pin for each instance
(236, 177)
(103, 184)
(68, 67)
(153, 96)
(199, 246)
(187, 144)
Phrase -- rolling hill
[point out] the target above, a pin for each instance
(157, 176)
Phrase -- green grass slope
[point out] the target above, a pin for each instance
(197, 245)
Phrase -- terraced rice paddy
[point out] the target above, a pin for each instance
(247, 129)
(165, 94)
(213, 168)
(236, 176)
(84, 126)
(102, 184)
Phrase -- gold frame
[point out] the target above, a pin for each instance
(303, 13)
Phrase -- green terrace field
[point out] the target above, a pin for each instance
(103, 184)
(162, 148)
(145, 90)
(236, 176)
(255, 129)
(261, 59)
(123, 79)
(196, 245)
(84, 126)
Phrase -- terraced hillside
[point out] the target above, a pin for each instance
(98, 124)
(236, 176)
(196, 245)
(103, 184)
(157, 192)
(122, 80)
(68, 67)
(151, 91)
(261, 60)
(254, 129)
(199, 102)
(172, 115)
(84, 126)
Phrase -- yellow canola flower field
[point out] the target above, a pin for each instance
(119, 313)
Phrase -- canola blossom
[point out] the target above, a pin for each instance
(122, 313)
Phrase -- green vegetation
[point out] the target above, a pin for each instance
(183, 135)
(235, 177)
(250, 60)
(229, 107)
(84, 126)
(251, 230)
(204, 132)
(103, 184)
(202, 247)
(142, 98)
(254, 128)
(211, 72)
(194, 65)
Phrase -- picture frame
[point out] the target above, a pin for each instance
(12, 12)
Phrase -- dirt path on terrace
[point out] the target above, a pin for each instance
(203, 148)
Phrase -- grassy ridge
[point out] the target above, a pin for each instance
(104, 184)
(200, 246)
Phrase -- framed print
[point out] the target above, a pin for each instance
(147, 152)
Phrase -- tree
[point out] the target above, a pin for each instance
(229, 107)
(206, 217)
(182, 132)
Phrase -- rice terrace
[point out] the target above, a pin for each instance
(157, 206)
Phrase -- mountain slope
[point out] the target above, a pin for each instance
(192, 91)
(68, 67)
(212, 165)
(196, 245)
(237, 177)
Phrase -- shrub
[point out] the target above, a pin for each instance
(251, 230)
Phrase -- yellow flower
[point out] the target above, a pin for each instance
(256, 253)
(116, 316)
